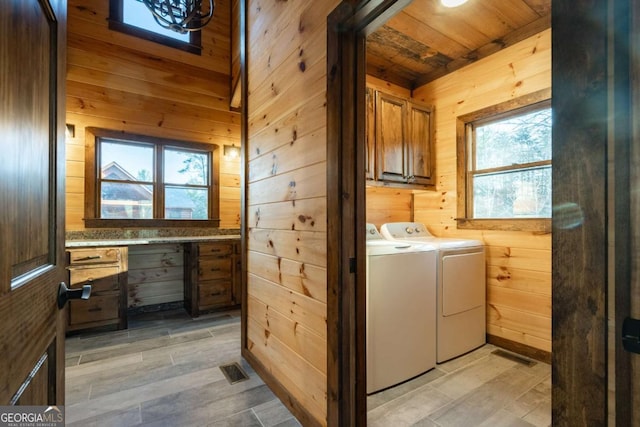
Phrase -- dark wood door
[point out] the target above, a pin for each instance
(32, 71)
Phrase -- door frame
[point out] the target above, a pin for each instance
(580, 269)
(347, 28)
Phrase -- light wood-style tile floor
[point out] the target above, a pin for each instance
(164, 371)
(477, 389)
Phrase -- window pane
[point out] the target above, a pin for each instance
(186, 203)
(126, 162)
(521, 194)
(120, 200)
(186, 167)
(137, 14)
(514, 140)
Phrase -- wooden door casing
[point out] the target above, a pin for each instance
(32, 73)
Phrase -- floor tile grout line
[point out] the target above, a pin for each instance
(414, 391)
(140, 413)
(252, 409)
(527, 391)
(535, 407)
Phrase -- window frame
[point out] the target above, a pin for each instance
(116, 23)
(93, 179)
(465, 145)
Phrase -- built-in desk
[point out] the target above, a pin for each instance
(202, 271)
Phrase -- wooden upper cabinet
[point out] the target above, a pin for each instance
(421, 145)
(391, 132)
(403, 143)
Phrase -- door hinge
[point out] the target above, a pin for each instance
(631, 335)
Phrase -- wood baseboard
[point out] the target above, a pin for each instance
(523, 349)
(305, 418)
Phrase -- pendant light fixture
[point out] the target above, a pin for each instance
(181, 16)
(452, 3)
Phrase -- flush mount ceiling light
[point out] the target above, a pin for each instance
(452, 3)
(180, 16)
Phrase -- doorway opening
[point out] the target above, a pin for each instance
(358, 197)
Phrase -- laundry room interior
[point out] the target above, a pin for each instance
(447, 111)
(518, 262)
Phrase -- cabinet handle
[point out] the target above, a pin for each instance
(87, 258)
(215, 294)
(215, 269)
(94, 309)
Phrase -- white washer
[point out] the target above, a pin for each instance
(401, 321)
(461, 288)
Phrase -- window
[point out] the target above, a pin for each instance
(134, 18)
(504, 165)
(133, 180)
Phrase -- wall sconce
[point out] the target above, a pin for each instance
(231, 151)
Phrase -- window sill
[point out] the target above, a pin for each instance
(145, 223)
(538, 225)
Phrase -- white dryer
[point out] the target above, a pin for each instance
(461, 288)
(401, 321)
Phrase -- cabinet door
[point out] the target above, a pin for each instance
(391, 117)
(369, 165)
(421, 145)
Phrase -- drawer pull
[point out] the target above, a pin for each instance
(94, 309)
(87, 258)
(215, 269)
(215, 294)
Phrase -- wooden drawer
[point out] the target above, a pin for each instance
(94, 309)
(103, 278)
(94, 256)
(214, 268)
(219, 249)
(214, 293)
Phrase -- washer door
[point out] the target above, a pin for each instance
(463, 282)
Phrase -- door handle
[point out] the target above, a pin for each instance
(65, 294)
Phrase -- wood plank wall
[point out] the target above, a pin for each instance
(286, 199)
(389, 205)
(120, 82)
(518, 263)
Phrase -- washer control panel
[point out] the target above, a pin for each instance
(399, 230)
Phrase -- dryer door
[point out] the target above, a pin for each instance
(463, 282)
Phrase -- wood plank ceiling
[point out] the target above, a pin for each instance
(427, 40)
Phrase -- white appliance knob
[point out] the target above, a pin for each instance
(372, 231)
(409, 230)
